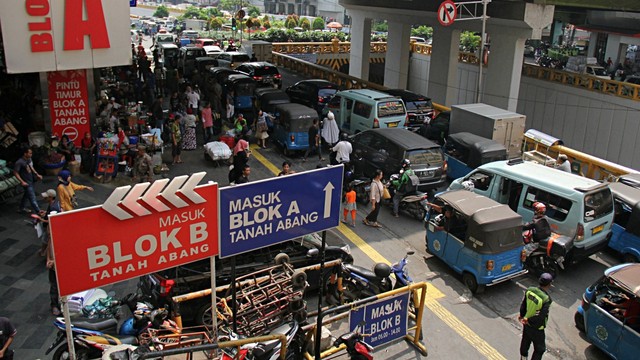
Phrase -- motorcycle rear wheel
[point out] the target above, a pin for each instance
(62, 353)
(351, 292)
(541, 264)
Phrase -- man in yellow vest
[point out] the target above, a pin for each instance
(534, 313)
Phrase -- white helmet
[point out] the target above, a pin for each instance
(468, 185)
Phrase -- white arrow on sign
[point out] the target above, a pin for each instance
(328, 190)
(125, 197)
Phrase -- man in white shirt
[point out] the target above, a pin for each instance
(192, 98)
(343, 149)
(563, 163)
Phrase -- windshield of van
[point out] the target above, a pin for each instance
(597, 204)
(391, 108)
(419, 105)
(425, 156)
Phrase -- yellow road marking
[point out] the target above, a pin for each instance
(432, 292)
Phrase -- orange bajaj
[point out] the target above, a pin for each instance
(477, 237)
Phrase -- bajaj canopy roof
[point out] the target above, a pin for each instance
(487, 213)
(626, 276)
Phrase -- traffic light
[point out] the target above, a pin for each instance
(233, 24)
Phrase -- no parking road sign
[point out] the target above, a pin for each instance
(447, 13)
(263, 213)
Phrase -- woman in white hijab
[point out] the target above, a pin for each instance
(330, 131)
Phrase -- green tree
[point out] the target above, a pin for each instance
(253, 11)
(213, 12)
(290, 23)
(278, 24)
(256, 23)
(194, 12)
(230, 5)
(216, 23)
(318, 24)
(422, 31)
(469, 41)
(381, 26)
(305, 24)
(161, 12)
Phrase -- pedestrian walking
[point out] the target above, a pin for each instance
(189, 141)
(261, 129)
(534, 314)
(176, 140)
(7, 333)
(142, 166)
(314, 141)
(349, 206)
(53, 206)
(27, 176)
(207, 122)
(286, 169)
(66, 191)
(244, 177)
(375, 197)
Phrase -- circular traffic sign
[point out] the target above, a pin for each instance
(447, 13)
(240, 14)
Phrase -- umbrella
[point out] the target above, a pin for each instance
(334, 25)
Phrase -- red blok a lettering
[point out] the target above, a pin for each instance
(76, 28)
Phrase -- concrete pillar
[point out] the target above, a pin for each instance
(502, 83)
(593, 39)
(360, 46)
(443, 70)
(396, 68)
(612, 49)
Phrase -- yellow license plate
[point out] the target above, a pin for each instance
(392, 124)
(506, 267)
(597, 229)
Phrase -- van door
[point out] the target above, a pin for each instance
(347, 125)
(510, 193)
(361, 116)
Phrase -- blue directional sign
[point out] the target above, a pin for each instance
(133, 3)
(267, 212)
(385, 320)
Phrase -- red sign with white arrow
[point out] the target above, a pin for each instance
(138, 230)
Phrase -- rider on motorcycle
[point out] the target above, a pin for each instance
(400, 185)
(539, 225)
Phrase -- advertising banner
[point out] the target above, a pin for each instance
(138, 230)
(54, 35)
(69, 104)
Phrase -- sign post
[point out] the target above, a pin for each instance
(384, 320)
(263, 213)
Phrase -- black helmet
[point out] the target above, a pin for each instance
(344, 136)
(406, 163)
(382, 270)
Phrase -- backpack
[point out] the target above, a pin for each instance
(411, 185)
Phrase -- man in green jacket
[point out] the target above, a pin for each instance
(400, 185)
(534, 314)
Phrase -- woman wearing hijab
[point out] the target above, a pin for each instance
(330, 131)
(66, 191)
(241, 155)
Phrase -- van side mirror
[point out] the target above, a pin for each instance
(313, 253)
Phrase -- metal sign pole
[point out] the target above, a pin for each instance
(67, 326)
(320, 295)
(482, 45)
(214, 302)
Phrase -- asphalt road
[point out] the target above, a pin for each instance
(457, 325)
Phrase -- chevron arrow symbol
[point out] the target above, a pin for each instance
(111, 205)
(187, 189)
(170, 192)
(131, 200)
(151, 196)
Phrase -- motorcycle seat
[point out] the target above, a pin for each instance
(365, 273)
(96, 324)
(266, 347)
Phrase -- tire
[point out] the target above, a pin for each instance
(203, 316)
(281, 258)
(299, 279)
(578, 318)
(471, 283)
(629, 258)
(541, 264)
(62, 353)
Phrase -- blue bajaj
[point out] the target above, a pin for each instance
(242, 87)
(291, 127)
(477, 237)
(609, 314)
(465, 151)
(625, 238)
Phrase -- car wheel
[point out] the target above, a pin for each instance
(471, 283)
(578, 318)
(281, 258)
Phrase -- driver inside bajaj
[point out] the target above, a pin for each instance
(450, 222)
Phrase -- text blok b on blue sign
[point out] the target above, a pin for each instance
(267, 212)
(385, 319)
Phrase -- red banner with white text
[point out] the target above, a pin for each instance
(69, 104)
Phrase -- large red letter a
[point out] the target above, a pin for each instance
(76, 28)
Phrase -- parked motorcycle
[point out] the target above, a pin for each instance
(355, 345)
(414, 203)
(267, 350)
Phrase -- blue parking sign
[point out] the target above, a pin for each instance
(384, 320)
(262, 213)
